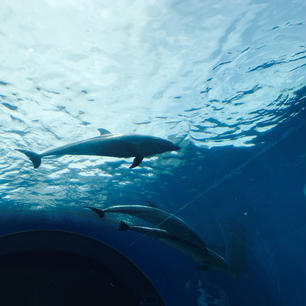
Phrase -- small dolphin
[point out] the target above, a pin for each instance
(207, 259)
(108, 144)
(160, 218)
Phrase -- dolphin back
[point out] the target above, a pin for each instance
(34, 157)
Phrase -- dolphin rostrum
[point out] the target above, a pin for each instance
(207, 259)
(160, 218)
(108, 144)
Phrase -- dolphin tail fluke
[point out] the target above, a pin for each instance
(137, 160)
(123, 226)
(99, 212)
(34, 157)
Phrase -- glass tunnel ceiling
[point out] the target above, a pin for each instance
(187, 71)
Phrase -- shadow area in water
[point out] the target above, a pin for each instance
(59, 278)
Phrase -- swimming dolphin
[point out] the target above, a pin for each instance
(207, 259)
(108, 144)
(160, 218)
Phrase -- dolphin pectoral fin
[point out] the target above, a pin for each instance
(99, 212)
(104, 132)
(137, 160)
(151, 204)
(34, 157)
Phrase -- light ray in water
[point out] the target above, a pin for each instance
(242, 165)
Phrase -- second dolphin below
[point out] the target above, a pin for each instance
(206, 259)
(173, 231)
(158, 217)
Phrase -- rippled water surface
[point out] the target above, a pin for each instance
(188, 71)
(215, 77)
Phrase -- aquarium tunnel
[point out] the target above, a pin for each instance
(153, 153)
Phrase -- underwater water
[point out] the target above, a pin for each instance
(223, 80)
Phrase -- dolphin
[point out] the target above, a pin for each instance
(207, 259)
(160, 218)
(108, 144)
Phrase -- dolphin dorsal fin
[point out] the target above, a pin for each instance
(151, 204)
(104, 132)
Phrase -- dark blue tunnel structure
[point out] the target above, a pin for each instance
(54, 267)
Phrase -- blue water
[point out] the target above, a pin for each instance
(225, 80)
